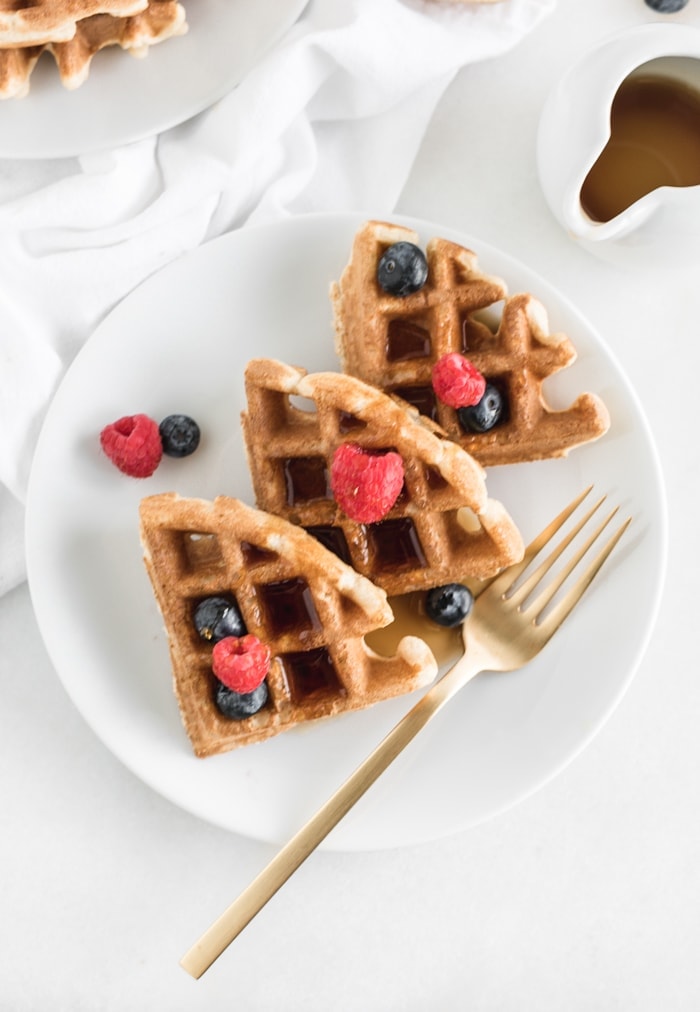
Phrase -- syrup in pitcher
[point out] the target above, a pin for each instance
(654, 141)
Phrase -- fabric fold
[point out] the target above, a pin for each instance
(330, 119)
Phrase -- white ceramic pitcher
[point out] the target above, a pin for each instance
(662, 228)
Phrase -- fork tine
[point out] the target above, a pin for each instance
(524, 590)
(551, 622)
(504, 581)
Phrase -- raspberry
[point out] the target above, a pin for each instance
(457, 382)
(241, 662)
(133, 444)
(366, 484)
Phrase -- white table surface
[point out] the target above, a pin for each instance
(584, 897)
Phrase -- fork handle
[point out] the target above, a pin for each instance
(235, 918)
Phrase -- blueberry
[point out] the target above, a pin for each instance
(179, 435)
(215, 618)
(402, 269)
(483, 416)
(666, 6)
(449, 605)
(239, 705)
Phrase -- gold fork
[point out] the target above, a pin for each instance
(513, 617)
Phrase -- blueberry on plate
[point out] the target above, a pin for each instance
(402, 269)
(239, 705)
(179, 435)
(215, 618)
(666, 6)
(449, 605)
(485, 414)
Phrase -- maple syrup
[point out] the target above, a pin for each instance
(254, 555)
(395, 544)
(410, 619)
(306, 479)
(654, 141)
(290, 607)
(333, 539)
(349, 423)
(202, 551)
(310, 672)
(421, 397)
(406, 339)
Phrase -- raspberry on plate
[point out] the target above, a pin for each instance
(133, 444)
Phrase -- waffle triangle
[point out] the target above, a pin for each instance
(310, 608)
(443, 528)
(393, 342)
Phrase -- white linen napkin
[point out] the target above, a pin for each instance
(330, 119)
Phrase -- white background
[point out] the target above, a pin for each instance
(585, 897)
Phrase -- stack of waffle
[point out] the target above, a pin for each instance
(73, 31)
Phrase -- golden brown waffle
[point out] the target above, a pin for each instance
(31, 23)
(161, 20)
(443, 527)
(308, 606)
(16, 66)
(393, 342)
(158, 20)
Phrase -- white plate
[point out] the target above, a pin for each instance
(125, 99)
(180, 343)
